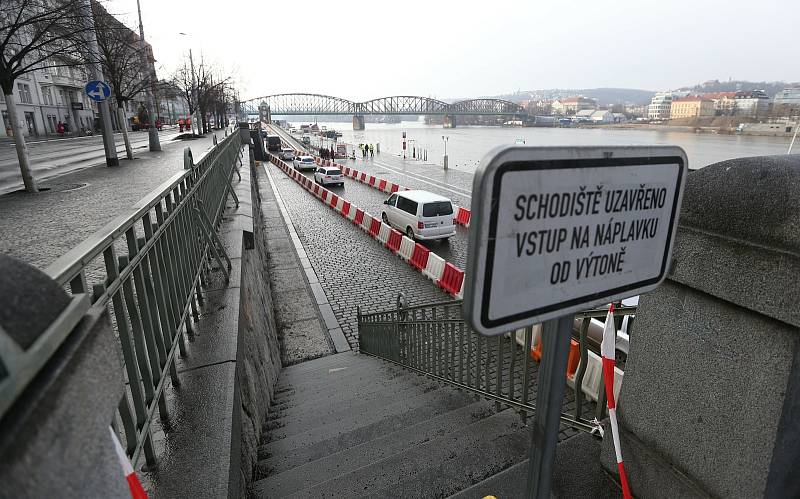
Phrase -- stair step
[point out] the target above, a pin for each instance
(325, 362)
(330, 466)
(317, 379)
(364, 376)
(289, 406)
(436, 468)
(577, 474)
(341, 435)
(294, 422)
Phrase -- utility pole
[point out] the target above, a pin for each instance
(155, 144)
(194, 93)
(96, 73)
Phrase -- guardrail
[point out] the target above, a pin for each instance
(148, 267)
(434, 340)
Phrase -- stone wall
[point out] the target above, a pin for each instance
(712, 384)
(259, 361)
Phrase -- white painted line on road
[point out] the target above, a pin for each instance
(436, 183)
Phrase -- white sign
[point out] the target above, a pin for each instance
(558, 230)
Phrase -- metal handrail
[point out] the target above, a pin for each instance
(434, 340)
(167, 241)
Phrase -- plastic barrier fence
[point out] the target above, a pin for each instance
(446, 275)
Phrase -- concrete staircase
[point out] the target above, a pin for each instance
(351, 425)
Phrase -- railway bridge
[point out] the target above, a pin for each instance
(326, 105)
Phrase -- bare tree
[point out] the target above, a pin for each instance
(183, 82)
(210, 86)
(122, 64)
(33, 33)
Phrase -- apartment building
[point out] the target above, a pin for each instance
(693, 106)
(660, 106)
(572, 105)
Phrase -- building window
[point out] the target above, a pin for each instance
(24, 93)
(47, 96)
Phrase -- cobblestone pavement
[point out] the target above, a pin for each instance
(38, 228)
(371, 200)
(414, 175)
(353, 269)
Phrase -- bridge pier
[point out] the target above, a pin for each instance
(358, 122)
(264, 114)
(449, 121)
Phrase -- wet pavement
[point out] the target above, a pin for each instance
(38, 228)
(353, 269)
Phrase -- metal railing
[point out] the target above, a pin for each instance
(148, 267)
(434, 340)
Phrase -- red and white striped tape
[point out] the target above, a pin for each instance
(608, 351)
(446, 275)
(137, 491)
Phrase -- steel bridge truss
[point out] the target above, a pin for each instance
(317, 104)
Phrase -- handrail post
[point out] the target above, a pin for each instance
(188, 160)
(584, 338)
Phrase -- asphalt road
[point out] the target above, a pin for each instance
(54, 157)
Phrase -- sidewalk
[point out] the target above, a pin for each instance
(53, 158)
(41, 227)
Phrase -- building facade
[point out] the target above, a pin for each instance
(55, 94)
(572, 105)
(49, 96)
(787, 102)
(691, 107)
(660, 106)
(751, 103)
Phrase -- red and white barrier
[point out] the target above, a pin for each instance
(462, 215)
(135, 486)
(406, 250)
(446, 275)
(608, 350)
(435, 267)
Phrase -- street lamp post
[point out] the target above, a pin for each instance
(445, 138)
(155, 144)
(193, 96)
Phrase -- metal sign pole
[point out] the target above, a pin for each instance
(544, 436)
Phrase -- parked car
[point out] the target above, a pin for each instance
(326, 175)
(304, 163)
(287, 154)
(420, 215)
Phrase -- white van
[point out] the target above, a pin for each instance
(420, 215)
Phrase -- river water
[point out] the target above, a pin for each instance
(466, 146)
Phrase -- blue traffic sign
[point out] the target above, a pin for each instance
(98, 90)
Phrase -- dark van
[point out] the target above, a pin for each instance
(273, 143)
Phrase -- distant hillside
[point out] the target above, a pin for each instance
(770, 87)
(604, 96)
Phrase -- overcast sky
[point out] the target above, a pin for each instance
(446, 49)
